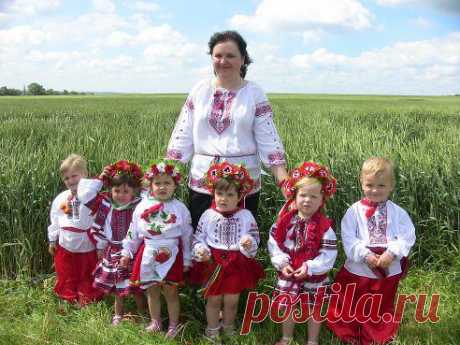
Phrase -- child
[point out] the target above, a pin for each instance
(113, 217)
(224, 246)
(302, 244)
(377, 236)
(69, 240)
(160, 233)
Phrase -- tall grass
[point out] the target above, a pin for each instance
(421, 134)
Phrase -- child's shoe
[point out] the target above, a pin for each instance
(154, 326)
(212, 335)
(284, 341)
(173, 330)
(116, 319)
(229, 330)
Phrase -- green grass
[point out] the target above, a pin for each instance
(30, 314)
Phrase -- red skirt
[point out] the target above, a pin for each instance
(228, 272)
(74, 279)
(356, 331)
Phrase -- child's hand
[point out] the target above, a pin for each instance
(100, 253)
(105, 172)
(287, 271)
(372, 260)
(385, 259)
(203, 255)
(186, 269)
(301, 272)
(52, 249)
(246, 242)
(124, 261)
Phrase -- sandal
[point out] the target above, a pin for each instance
(173, 330)
(116, 319)
(154, 326)
(284, 341)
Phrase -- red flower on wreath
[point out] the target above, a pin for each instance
(225, 170)
(124, 167)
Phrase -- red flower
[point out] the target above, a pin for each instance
(171, 219)
(162, 256)
(151, 210)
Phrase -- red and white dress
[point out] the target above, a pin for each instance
(236, 126)
(75, 257)
(232, 268)
(110, 226)
(298, 242)
(160, 233)
(365, 229)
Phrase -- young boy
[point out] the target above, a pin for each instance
(69, 242)
(377, 237)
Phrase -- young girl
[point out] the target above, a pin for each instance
(114, 212)
(302, 244)
(160, 233)
(377, 236)
(69, 241)
(224, 246)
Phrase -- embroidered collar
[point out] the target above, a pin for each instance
(127, 206)
(371, 206)
(225, 214)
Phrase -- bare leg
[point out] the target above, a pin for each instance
(140, 303)
(230, 310)
(118, 305)
(313, 331)
(154, 303)
(172, 302)
(213, 306)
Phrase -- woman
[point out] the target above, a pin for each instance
(226, 118)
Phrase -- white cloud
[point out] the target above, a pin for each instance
(22, 35)
(145, 6)
(300, 15)
(421, 23)
(446, 5)
(104, 6)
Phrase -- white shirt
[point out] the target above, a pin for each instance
(79, 217)
(399, 237)
(240, 131)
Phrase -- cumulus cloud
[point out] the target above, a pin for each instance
(26, 7)
(104, 6)
(446, 5)
(300, 15)
(145, 6)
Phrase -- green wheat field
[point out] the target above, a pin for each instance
(420, 134)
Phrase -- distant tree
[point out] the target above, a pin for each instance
(4, 91)
(36, 89)
(65, 92)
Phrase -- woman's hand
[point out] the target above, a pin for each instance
(280, 173)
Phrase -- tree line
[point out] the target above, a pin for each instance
(35, 89)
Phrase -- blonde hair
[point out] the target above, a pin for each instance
(73, 162)
(378, 166)
(306, 181)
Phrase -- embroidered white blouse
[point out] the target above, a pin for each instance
(79, 217)
(219, 124)
(321, 264)
(220, 232)
(391, 228)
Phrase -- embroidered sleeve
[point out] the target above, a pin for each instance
(278, 258)
(99, 229)
(180, 145)
(325, 260)
(88, 190)
(269, 145)
(132, 240)
(251, 234)
(186, 238)
(199, 238)
(404, 238)
(355, 248)
(53, 228)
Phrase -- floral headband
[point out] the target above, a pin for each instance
(314, 170)
(236, 173)
(164, 166)
(123, 167)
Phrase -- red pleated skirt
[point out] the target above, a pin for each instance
(74, 279)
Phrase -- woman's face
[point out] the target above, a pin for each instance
(227, 60)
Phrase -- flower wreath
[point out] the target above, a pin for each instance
(164, 166)
(123, 167)
(311, 169)
(237, 173)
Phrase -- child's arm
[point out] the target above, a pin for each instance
(88, 190)
(200, 249)
(249, 242)
(53, 228)
(132, 241)
(278, 258)
(404, 238)
(354, 247)
(324, 262)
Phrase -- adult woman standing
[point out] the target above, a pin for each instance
(226, 118)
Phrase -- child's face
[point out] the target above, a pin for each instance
(163, 187)
(122, 194)
(308, 199)
(377, 188)
(71, 177)
(226, 200)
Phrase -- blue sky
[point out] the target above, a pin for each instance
(306, 46)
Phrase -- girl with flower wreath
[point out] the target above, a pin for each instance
(224, 246)
(160, 234)
(302, 244)
(70, 242)
(113, 214)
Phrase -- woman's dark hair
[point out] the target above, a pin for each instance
(234, 36)
(122, 179)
